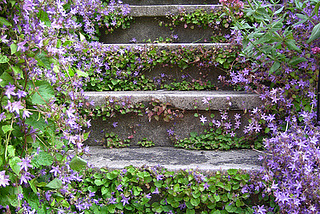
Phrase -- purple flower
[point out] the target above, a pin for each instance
(203, 119)
(115, 124)
(182, 206)
(10, 90)
(125, 200)
(25, 177)
(170, 132)
(206, 185)
(15, 106)
(25, 164)
(21, 94)
(159, 177)
(2, 116)
(4, 179)
(119, 188)
(20, 196)
(261, 210)
(112, 200)
(55, 170)
(26, 114)
(156, 191)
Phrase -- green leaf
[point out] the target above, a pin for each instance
(44, 17)
(7, 128)
(296, 60)
(291, 45)
(316, 8)
(82, 74)
(230, 208)
(3, 59)
(227, 187)
(17, 70)
(114, 81)
(98, 182)
(54, 184)
(44, 93)
(11, 151)
(6, 79)
(37, 122)
(274, 67)
(78, 163)
(5, 22)
(13, 48)
(13, 162)
(279, 10)
(43, 60)
(33, 185)
(315, 34)
(232, 171)
(190, 211)
(44, 159)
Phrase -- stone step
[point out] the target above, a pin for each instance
(149, 24)
(163, 10)
(174, 159)
(182, 99)
(163, 113)
(164, 46)
(168, 2)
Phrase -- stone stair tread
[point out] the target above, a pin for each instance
(163, 10)
(168, 2)
(174, 158)
(168, 45)
(233, 100)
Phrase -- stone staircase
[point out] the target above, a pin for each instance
(172, 105)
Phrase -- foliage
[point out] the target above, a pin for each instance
(280, 62)
(211, 140)
(112, 140)
(154, 189)
(213, 19)
(145, 143)
(164, 111)
(127, 68)
(40, 95)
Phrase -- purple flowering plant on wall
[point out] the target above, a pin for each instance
(41, 94)
(280, 61)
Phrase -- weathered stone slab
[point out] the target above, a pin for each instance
(185, 100)
(174, 159)
(169, 2)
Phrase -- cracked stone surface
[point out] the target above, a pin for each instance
(174, 158)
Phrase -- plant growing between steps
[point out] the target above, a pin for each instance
(219, 23)
(153, 189)
(220, 135)
(127, 69)
(164, 111)
(146, 143)
(112, 140)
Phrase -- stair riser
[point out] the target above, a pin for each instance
(138, 127)
(144, 29)
(168, 2)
